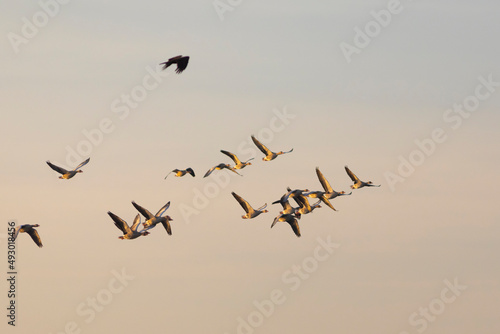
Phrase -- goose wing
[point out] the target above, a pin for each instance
(137, 221)
(295, 225)
(167, 227)
(82, 164)
(16, 231)
(57, 168)
(327, 202)
(353, 177)
(143, 211)
(244, 204)
(232, 169)
(210, 171)
(261, 146)
(232, 156)
(36, 238)
(324, 182)
(120, 223)
(190, 171)
(163, 209)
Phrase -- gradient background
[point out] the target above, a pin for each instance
(396, 247)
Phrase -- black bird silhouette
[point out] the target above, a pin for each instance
(182, 63)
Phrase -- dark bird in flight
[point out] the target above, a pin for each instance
(27, 228)
(182, 63)
(65, 173)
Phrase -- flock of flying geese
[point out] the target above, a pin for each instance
(289, 214)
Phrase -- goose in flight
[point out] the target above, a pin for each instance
(237, 162)
(357, 182)
(329, 192)
(182, 63)
(304, 206)
(181, 172)
(290, 194)
(128, 232)
(65, 173)
(269, 154)
(152, 220)
(30, 229)
(287, 207)
(219, 167)
(250, 212)
(290, 219)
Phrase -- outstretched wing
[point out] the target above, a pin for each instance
(324, 182)
(120, 223)
(261, 146)
(295, 226)
(36, 238)
(82, 164)
(232, 156)
(57, 168)
(171, 61)
(190, 171)
(143, 211)
(163, 209)
(232, 170)
(353, 177)
(137, 221)
(210, 171)
(16, 231)
(244, 204)
(167, 227)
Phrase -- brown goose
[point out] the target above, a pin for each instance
(219, 167)
(250, 212)
(237, 162)
(182, 63)
(269, 154)
(30, 229)
(182, 172)
(152, 220)
(357, 182)
(65, 173)
(290, 219)
(128, 232)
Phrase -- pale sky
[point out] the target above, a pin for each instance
(418, 254)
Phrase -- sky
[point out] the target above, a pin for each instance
(406, 93)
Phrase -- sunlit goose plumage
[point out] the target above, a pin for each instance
(269, 154)
(128, 232)
(237, 162)
(153, 220)
(182, 63)
(30, 229)
(250, 212)
(65, 173)
(357, 182)
(305, 207)
(290, 219)
(329, 192)
(287, 207)
(182, 172)
(219, 167)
